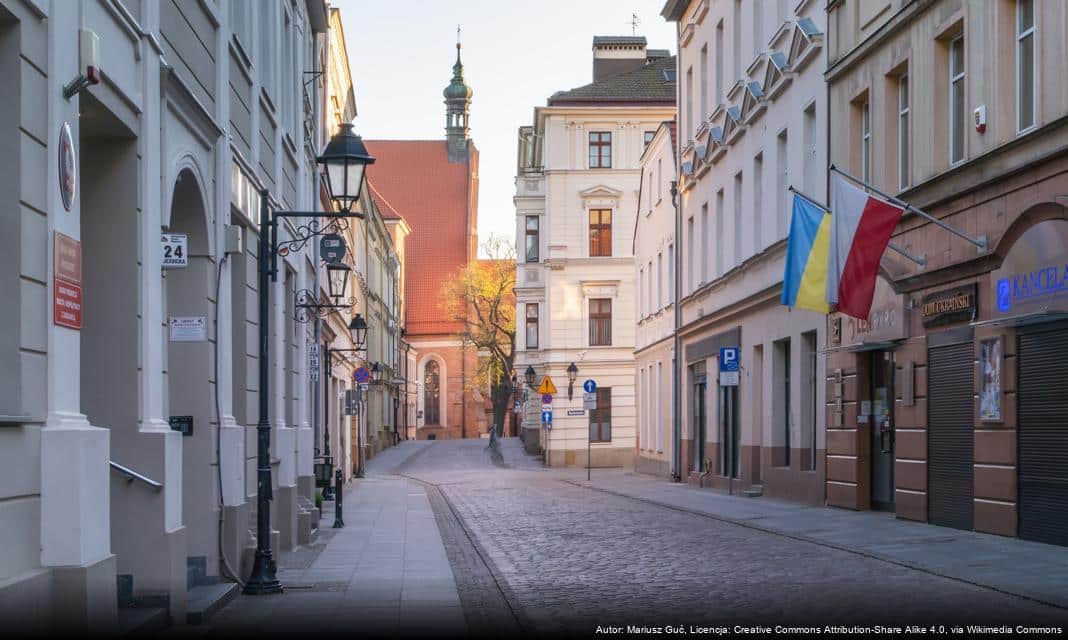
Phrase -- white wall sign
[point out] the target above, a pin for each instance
(728, 378)
(188, 328)
(175, 250)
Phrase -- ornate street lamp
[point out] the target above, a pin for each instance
(345, 158)
(376, 373)
(337, 281)
(344, 161)
(529, 375)
(358, 331)
(572, 374)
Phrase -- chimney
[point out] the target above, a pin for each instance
(616, 54)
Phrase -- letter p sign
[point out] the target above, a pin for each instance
(728, 359)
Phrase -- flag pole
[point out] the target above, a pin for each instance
(979, 242)
(920, 260)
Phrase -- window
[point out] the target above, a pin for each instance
(533, 238)
(758, 198)
(758, 28)
(659, 179)
(903, 131)
(865, 140)
(432, 393)
(737, 57)
(600, 232)
(720, 250)
(647, 137)
(601, 322)
(660, 281)
(737, 219)
(1025, 64)
(689, 103)
(809, 165)
(782, 175)
(641, 293)
(659, 394)
(643, 421)
(719, 62)
(706, 230)
(600, 150)
(703, 110)
(956, 100)
(649, 287)
(691, 260)
(532, 326)
(601, 417)
(671, 271)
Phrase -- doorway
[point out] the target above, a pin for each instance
(880, 417)
(700, 413)
(730, 441)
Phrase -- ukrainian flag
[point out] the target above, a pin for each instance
(804, 282)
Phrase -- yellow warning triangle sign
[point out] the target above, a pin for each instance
(547, 386)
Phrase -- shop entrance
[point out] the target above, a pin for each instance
(879, 411)
(700, 413)
(1043, 434)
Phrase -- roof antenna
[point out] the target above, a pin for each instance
(634, 22)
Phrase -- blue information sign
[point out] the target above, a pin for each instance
(547, 417)
(589, 386)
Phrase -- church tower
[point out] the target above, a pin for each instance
(457, 110)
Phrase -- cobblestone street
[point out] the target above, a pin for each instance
(499, 545)
(568, 559)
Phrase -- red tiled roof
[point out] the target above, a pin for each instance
(414, 178)
(388, 211)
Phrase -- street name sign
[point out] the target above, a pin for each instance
(575, 412)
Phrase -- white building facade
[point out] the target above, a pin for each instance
(577, 188)
(654, 271)
(752, 123)
(108, 351)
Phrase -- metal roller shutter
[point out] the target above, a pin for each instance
(950, 435)
(1042, 408)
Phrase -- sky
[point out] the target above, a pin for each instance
(516, 53)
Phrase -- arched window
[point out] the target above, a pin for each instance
(432, 392)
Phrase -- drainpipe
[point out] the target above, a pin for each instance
(676, 363)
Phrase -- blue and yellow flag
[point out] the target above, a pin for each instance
(804, 282)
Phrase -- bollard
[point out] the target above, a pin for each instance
(338, 491)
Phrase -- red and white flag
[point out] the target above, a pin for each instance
(861, 226)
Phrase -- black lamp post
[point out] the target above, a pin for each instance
(572, 374)
(344, 160)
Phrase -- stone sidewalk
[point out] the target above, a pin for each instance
(386, 572)
(1009, 565)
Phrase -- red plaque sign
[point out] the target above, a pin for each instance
(67, 304)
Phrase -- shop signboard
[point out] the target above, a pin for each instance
(1033, 277)
(959, 304)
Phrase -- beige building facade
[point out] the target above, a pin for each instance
(577, 188)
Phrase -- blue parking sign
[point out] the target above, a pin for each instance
(728, 359)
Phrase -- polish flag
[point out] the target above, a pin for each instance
(861, 226)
